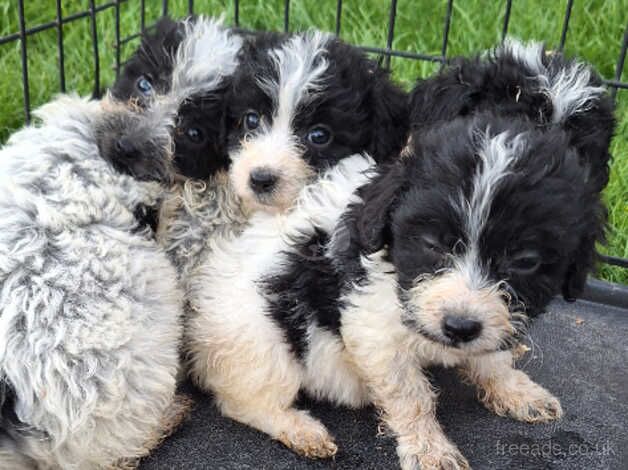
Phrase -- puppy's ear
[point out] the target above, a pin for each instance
(585, 256)
(372, 220)
(389, 116)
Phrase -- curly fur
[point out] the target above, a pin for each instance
(90, 322)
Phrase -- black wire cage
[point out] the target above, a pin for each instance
(385, 54)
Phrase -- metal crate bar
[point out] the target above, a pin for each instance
(25, 83)
(60, 46)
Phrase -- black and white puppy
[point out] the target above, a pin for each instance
(304, 109)
(202, 204)
(300, 104)
(474, 230)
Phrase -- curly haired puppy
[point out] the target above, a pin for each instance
(90, 304)
(90, 322)
(202, 204)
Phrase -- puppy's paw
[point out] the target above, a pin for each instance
(309, 438)
(521, 399)
(432, 456)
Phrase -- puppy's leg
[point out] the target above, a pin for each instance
(386, 355)
(255, 379)
(508, 391)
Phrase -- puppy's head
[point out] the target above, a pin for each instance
(136, 141)
(149, 70)
(484, 222)
(203, 53)
(300, 104)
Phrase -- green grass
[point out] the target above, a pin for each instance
(595, 34)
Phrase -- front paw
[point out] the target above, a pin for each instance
(431, 456)
(522, 399)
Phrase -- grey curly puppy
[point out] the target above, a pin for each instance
(90, 308)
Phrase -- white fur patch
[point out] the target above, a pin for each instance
(300, 64)
(208, 54)
(567, 87)
(497, 156)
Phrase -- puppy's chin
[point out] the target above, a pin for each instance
(276, 202)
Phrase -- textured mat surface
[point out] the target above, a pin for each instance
(580, 353)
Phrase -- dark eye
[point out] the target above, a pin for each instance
(194, 134)
(144, 86)
(319, 135)
(525, 262)
(251, 120)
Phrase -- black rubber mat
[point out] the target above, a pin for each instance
(579, 352)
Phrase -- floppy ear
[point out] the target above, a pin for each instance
(576, 275)
(585, 255)
(372, 220)
(389, 116)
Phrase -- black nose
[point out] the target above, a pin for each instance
(125, 146)
(262, 180)
(460, 329)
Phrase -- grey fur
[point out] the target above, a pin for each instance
(89, 304)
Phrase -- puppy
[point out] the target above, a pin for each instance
(90, 306)
(201, 205)
(524, 80)
(300, 104)
(246, 336)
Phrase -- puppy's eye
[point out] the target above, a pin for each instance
(319, 135)
(431, 244)
(251, 120)
(194, 134)
(144, 86)
(525, 262)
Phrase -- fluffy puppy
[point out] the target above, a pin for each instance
(458, 243)
(90, 323)
(91, 308)
(518, 79)
(300, 104)
(201, 205)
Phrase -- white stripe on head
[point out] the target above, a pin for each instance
(568, 86)
(300, 64)
(208, 54)
(496, 157)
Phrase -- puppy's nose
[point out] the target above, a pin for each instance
(461, 329)
(125, 146)
(262, 180)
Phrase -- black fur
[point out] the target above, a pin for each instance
(307, 291)
(200, 135)
(358, 103)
